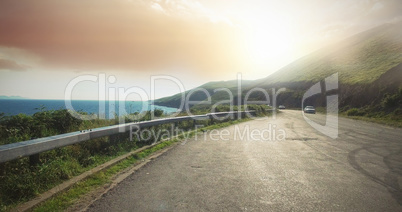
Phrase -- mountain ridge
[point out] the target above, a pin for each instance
(369, 66)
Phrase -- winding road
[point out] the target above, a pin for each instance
(268, 164)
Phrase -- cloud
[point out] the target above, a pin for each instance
(159, 35)
(157, 7)
(128, 35)
(11, 65)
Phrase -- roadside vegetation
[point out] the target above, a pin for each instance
(68, 198)
(20, 181)
(389, 112)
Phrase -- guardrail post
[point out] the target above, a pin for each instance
(34, 159)
(173, 129)
(194, 123)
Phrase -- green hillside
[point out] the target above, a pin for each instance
(175, 100)
(362, 59)
(369, 66)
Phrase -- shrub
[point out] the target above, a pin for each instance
(355, 112)
(397, 114)
(158, 113)
(391, 101)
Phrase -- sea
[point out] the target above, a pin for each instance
(30, 106)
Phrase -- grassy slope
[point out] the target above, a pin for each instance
(360, 59)
(369, 65)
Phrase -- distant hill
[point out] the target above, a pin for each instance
(362, 58)
(369, 66)
(12, 97)
(197, 95)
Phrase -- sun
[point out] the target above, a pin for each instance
(266, 42)
(265, 45)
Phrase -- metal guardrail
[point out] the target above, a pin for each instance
(34, 147)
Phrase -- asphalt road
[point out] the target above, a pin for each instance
(283, 165)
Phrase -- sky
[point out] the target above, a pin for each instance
(153, 48)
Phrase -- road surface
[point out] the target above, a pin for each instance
(282, 164)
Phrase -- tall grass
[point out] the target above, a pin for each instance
(389, 112)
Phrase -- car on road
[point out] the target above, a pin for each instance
(282, 107)
(309, 109)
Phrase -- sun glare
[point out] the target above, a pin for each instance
(268, 37)
(267, 43)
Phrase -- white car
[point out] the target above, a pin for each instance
(309, 109)
(282, 107)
